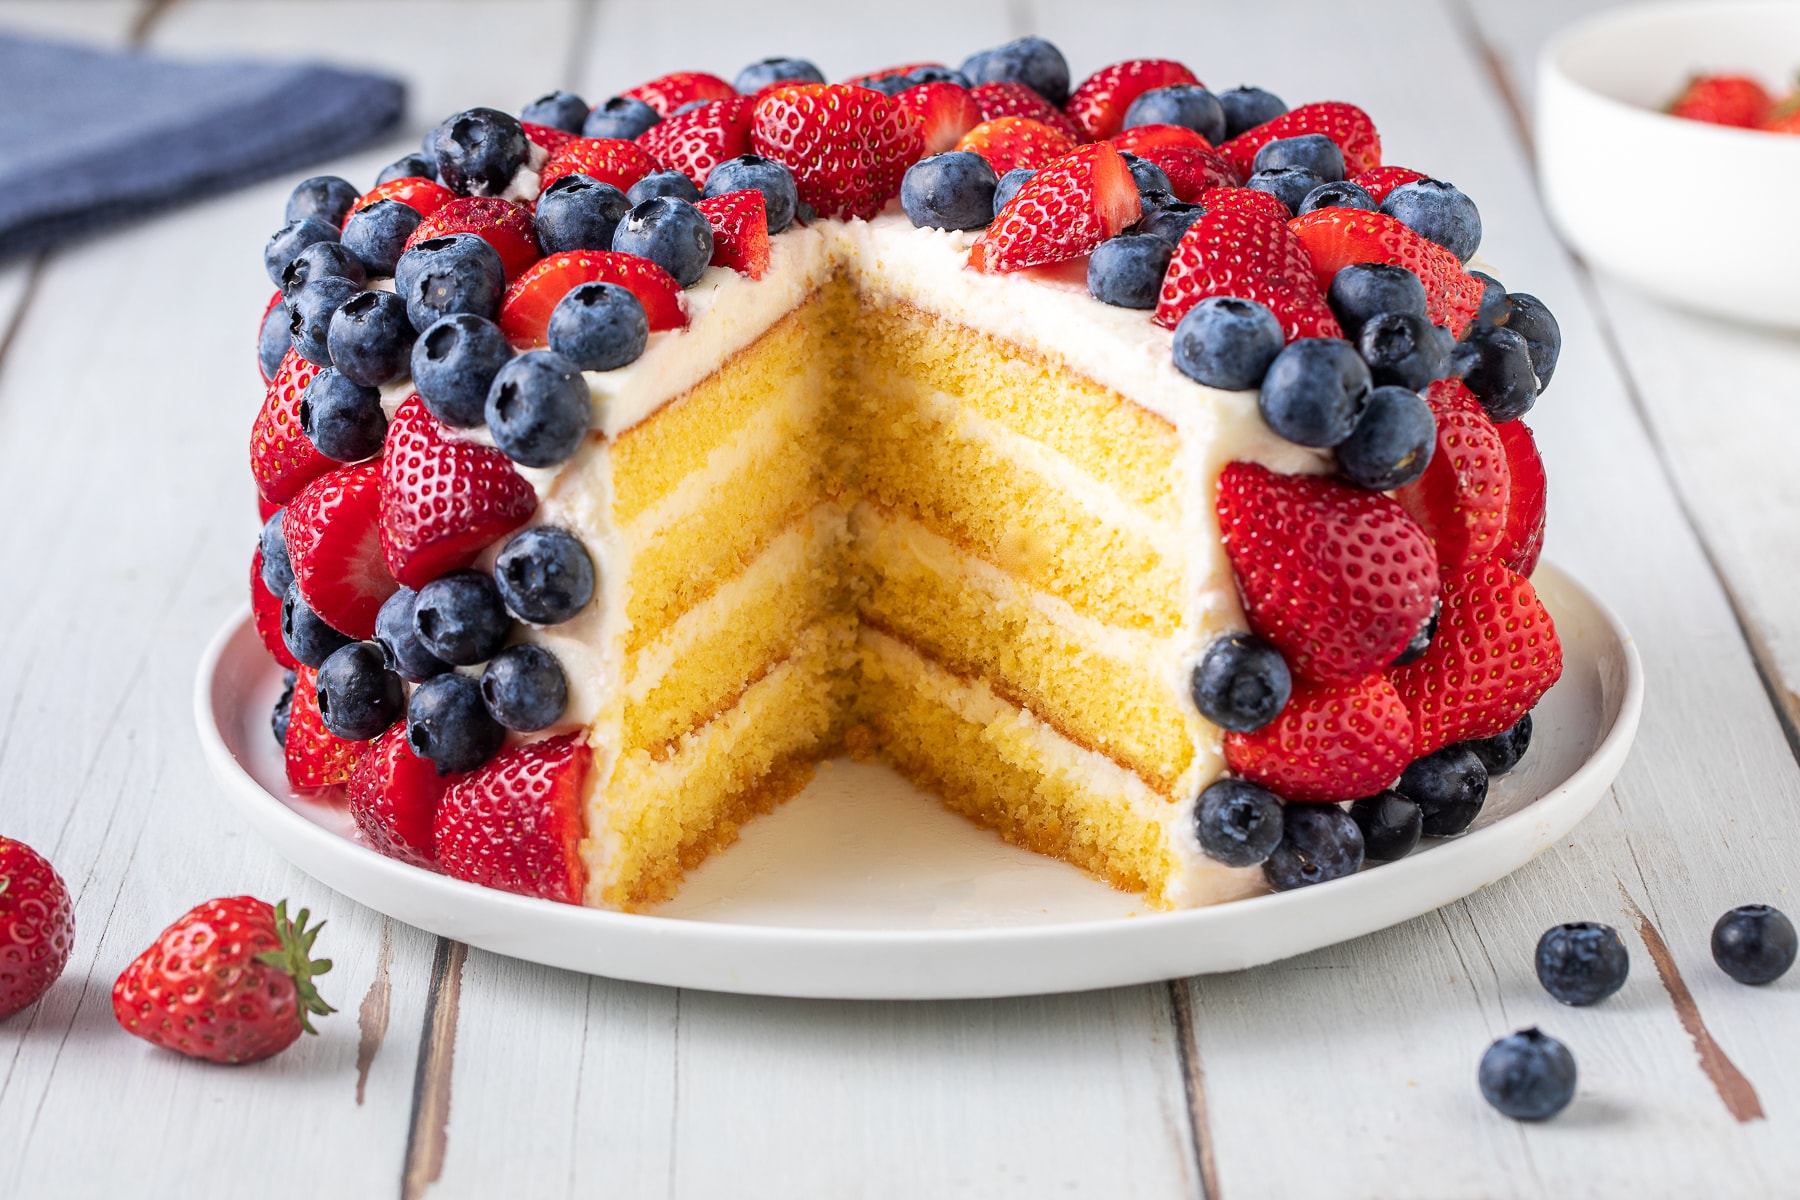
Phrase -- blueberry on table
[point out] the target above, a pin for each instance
(1342, 194)
(1309, 152)
(953, 190)
(1502, 752)
(318, 261)
(277, 569)
(377, 234)
(1754, 943)
(273, 340)
(545, 575)
(407, 166)
(599, 327)
(1403, 350)
(781, 196)
(1495, 362)
(672, 184)
(284, 707)
(1237, 823)
(371, 338)
(1314, 392)
(1527, 317)
(453, 366)
(324, 196)
(447, 724)
(1147, 175)
(1392, 442)
(578, 212)
(1290, 185)
(671, 233)
(478, 150)
(440, 276)
(401, 648)
(341, 418)
(779, 69)
(1582, 962)
(1185, 104)
(1009, 184)
(1228, 343)
(1438, 212)
(460, 617)
(1362, 291)
(1449, 786)
(1319, 842)
(622, 117)
(1168, 219)
(559, 110)
(309, 316)
(1420, 641)
(1528, 1075)
(308, 637)
(1241, 683)
(539, 408)
(524, 688)
(1032, 61)
(1391, 825)
(358, 696)
(1247, 107)
(290, 240)
(1127, 271)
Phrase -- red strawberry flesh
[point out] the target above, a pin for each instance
(516, 823)
(335, 547)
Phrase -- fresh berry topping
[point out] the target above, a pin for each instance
(318, 261)
(343, 419)
(1343, 194)
(371, 339)
(1011, 142)
(601, 326)
(423, 195)
(891, 81)
(1099, 105)
(275, 569)
(699, 139)
(752, 172)
(394, 795)
(505, 226)
(847, 147)
(578, 212)
(1184, 104)
(622, 117)
(740, 238)
(673, 184)
(525, 314)
(1151, 179)
(309, 316)
(460, 273)
(1319, 843)
(1404, 350)
(1242, 199)
(443, 502)
(1247, 107)
(358, 696)
(401, 649)
(1495, 654)
(478, 150)
(1333, 741)
(1237, 823)
(1361, 292)
(539, 407)
(1390, 824)
(1439, 212)
(607, 160)
(766, 72)
(944, 111)
(460, 617)
(1337, 237)
(524, 688)
(954, 190)
(315, 756)
(1227, 343)
(272, 338)
(324, 196)
(1495, 307)
(1307, 151)
(1241, 683)
(335, 549)
(1167, 218)
(1392, 443)
(1127, 271)
(1030, 61)
(1522, 538)
(1290, 185)
(286, 243)
(1336, 578)
(1495, 363)
(564, 112)
(671, 233)
(1461, 499)
(453, 365)
(1315, 392)
(306, 635)
(1527, 316)
(1449, 785)
(265, 612)
(1009, 186)
(1502, 752)
(1754, 943)
(666, 93)
(1345, 124)
(1062, 212)
(1252, 256)
(1528, 1075)
(1379, 181)
(377, 234)
(1191, 170)
(281, 458)
(1007, 98)
(449, 726)
(37, 926)
(545, 575)
(1142, 140)
(548, 137)
(407, 166)
(516, 824)
(1582, 962)
(1734, 100)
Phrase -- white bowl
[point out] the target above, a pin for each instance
(1694, 213)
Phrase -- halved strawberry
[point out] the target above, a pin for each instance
(394, 795)
(267, 309)
(666, 93)
(265, 508)
(1007, 98)
(1062, 212)
(1098, 106)
(442, 502)
(525, 310)
(1009, 142)
(1461, 499)
(282, 458)
(516, 823)
(1494, 656)
(1243, 199)
(1379, 181)
(848, 147)
(265, 614)
(1336, 578)
(945, 111)
(1333, 741)
(505, 226)
(424, 195)
(1337, 237)
(334, 544)
(1522, 541)
(1192, 170)
(1736, 100)
(549, 137)
(315, 756)
(1250, 255)
(740, 225)
(1140, 138)
(1345, 124)
(610, 160)
(696, 141)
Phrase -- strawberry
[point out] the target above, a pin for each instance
(267, 309)
(1723, 100)
(740, 226)
(316, 757)
(394, 795)
(1494, 655)
(847, 146)
(610, 160)
(1333, 741)
(1345, 124)
(1336, 578)
(1379, 181)
(867, 79)
(1461, 499)
(666, 93)
(1337, 237)
(265, 508)
(442, 502)
(282, 458)
(696, 141)
(1140, 138)
(333, 540)
(1785, 116)
(1098, 106)
(231, 981)
(516, 822)
(945, 111)
(424, 195)
(505, 226)
(549, 137)
(1007, 98)
(265, 614)
(1243, 199)
(1192, 170)
(1523, 538)
(1062, 212)
(1251, 255)
(37, 926)
(532, 297)
(1009, 142)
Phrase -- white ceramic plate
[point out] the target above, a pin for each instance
(862, 888)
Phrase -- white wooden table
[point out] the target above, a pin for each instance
(126, 519)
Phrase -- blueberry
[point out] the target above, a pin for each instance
(459, 273)
(1392, 442)
(1528, 318)
(447, 723)
(370, 339)
(1031, 61)
(672, 184)
(689, 107)
(291, 239)
(284, 708)
(478, 150)
(559, 110)
(1309, 152)
(887, 85)
(671, 233)
(524, 688)
(599, 327)
(273, 340)
(1364, 290)
(1390, 825)
(309, 316)
(1227, 343)
(780, 197)
(1168, 221)
(1582, 962)
(401, 648)
(324, 196)
(1290, 185)
(1319, 842)
(1495, 362)
(538, 408)
(1186, 104)
(1435, 210)
(1148, 176)
(621, 117)
(343, 420)
(545, 575)
(1241, 683)
(1342, 194)
(1420, 641)
(321, 260)
(765, 71)
(1494, 305)
(1528, 1075)
(1238, 823)
(1402, 350)
(1754, 943)
(1010, 183)
(408, 166)
(935, 74)
(578, 212)
(1314, 392)
(1247, 107)
(277, 568)
(1127, 271)
(1449, 786)
(1502, 752)
(358, 696)
(308, 637)
(460, 617)
(453, 366)
(377, 234)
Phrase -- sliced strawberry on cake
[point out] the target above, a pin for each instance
(500, 223)
(516, 823)
(666, 93)
(740, 226)
(335, 547)
(315, 756)
(1345, 124)
(1060, 213)
(1379, 181)
(609, 160)
(394, 796)
(696, 141)
(848, 147)
(1011, 142)
(1522, 541)
(424, 196)
(1243, 199)
(1008, 98)
(525, 310)
(1332, 742)
(1461, 499)
(1098, 106)
(1337, 237)
(282, 458)
(551, 139)
(944, 111)
(1253, 256)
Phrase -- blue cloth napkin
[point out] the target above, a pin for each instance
(89, 138)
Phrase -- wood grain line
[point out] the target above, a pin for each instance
(152, 12)
(1193, 1083)
(1463, 18)
(1734, 1088)
(33, 275)
(427, 1139)
(372, 1016)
